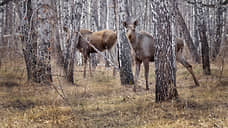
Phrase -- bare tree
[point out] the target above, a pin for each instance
(165, 64)
(187, 35)
(218, 29)
(74, 25)
(1, 24)
(126, 75)
(203, 39)
(37, 37)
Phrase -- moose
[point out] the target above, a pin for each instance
(143, 45)
(101, 40)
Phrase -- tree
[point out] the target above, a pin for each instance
(195, 27)
(37, 37)
(203, 39)
(126, 75)
(218, 29)
(110, 24)
(165, 64)
(74, 25)
(187, 35)
(1, 24)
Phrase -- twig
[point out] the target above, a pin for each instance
(61, 93)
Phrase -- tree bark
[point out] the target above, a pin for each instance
(204, 42)
(165, 64)
(195, 27)
(36, 35)
(75, 13)
(1, 26)
(218, 30)
(126, 75)
(44, 38)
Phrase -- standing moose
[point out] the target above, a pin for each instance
(144, 47)
(101, 40)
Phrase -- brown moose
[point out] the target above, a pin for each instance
(143, 45)
(101, 40)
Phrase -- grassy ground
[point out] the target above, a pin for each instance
(101, 101)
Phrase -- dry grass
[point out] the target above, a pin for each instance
(101, 101)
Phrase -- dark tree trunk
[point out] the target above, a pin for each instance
(126, 75)
(204, 42)
(205, 51)
(165, 64)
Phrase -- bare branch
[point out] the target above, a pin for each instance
(207, 5)
(5, 2)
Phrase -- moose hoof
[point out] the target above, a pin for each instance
(147, 89)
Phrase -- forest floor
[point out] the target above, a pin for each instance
(100, 101)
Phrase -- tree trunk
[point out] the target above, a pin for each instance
(204, 43)
(1, 26)
(187, 35)
(75, 14)
(37, 36)
(195, 27)
(44, 38)
(218, 30)
(165, 64)
(126, 75)
(58, 36)
(94, 26)
(110, 24)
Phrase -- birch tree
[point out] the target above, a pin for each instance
(126, 75)
(75, 9)
(110, 24)
(1, 24)
(187, 35)
(218, 29)
(37, 37)
(165, 64)
(203, 39)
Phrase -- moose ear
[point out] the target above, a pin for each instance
(125, 24)
(135, 23)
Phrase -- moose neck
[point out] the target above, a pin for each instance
(132, 37)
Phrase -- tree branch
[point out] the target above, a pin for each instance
(207, 5)
(5, 2)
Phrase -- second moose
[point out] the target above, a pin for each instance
(144, 47)
(101, 40)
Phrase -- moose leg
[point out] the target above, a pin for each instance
(146, 68)
(188, 67)
(90, 67)
(85, 63)
(137, 71)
